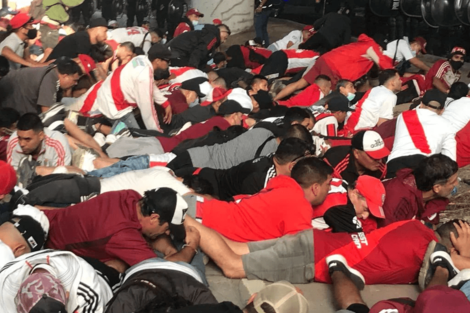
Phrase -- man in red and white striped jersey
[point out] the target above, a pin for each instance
(326, 123)
(47, 147)
(128, 87)
(446, 72)
(420, 133)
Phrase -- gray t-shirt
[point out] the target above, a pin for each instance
(26, 88)
(16, 45)
(240, 149)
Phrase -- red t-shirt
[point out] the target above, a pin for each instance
(104, 228)
(181, 28)
(277, 210)
(389, 255)
(442, 70)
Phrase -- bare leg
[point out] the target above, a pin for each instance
(239, 248)
(45, 170)
(216, 248)
(104, 162)
(440, 277)
(344, 290)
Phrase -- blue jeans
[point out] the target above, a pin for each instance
(140, 162)
(466, 289)
(261, 25)
(130, 120)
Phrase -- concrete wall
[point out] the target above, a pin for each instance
(237, 14)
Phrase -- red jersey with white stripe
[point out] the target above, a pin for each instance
(305, 98)
(128, 87)
(299, 59)
(443, 71)
(326, 124)
(55, 150)
(135, 34)
(184, 73)
(422, 131)
(389, 255)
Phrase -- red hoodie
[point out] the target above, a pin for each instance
(404, 201)
(277, 210)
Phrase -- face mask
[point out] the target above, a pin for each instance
(159, 74)
(32, 33)
(413, 53)
(195, 23)
(456, 65)
(351, 96)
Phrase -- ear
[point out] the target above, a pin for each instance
(41, 135)
(326, 106)
(19, 250)
(356, 154)
(315, 189)
(155, 218)
(436, 188)
(291, 166)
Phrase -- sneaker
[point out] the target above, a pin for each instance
(337, 262)
(442, 259)
(460, 279)
(26, 171)
(118, 127)
(83, 158)
(425, 273)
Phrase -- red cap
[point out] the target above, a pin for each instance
(194, 11)
(373, 190)
(87, 63)
(422, 42)
(216, 21)
(112, 43)
(214, 95)
(371, 143)
(459, 50)
(7, 178)
(309, 28)
(20, 20)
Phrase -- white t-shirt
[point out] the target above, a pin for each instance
(438, 132)
(458, 114)
(379, 104)
(404, 50)
(295, 36)
(133, 34)
(143, 180)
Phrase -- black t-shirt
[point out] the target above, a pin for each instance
(342, 218)
(246, 178)
(71, 46)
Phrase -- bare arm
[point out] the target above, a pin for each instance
(75, 132)
(13, 57)
(291, 88)
(419, 64)
(439, 85)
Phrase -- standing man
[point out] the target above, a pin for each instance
(80, 42)
(190, 20)
(444, 73)
(262, 12)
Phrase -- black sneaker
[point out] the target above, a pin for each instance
(337, 262)
(26, 171)
(442, 259)
(427, 269)
(460, 279)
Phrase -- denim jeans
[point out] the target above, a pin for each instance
(140, 162)
(466, 289)
(130, 120)
(261, 25)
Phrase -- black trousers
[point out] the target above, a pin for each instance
(162, 12)
(132, 13)
(275, 66)
(317, 42)
(409, 161)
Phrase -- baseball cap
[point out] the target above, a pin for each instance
(231, 106)
(373, 190)
(216, 21)
(87, 63)
(241, 96)
(159, 51)
(19, 20)
(309, 28)
(371, 143)
(339, 103)
(31, 230)
(422, 42)
(458, 50)
(437, 299)
(41, 292)
(283, 297)
(112, 22)
(98, 22)
(214, 95)
(171, 206)
(264, 99)
(7, 178)
(198, 84)
(434, 95)
(194, 11)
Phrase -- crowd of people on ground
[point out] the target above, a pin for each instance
(130, 157)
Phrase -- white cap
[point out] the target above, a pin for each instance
(37, 215)
(241, 96)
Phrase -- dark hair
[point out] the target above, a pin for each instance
(299, 131)
(267, 308)
(161, 201)
(295, 114)
(458, 90)
(158, 31)
(139, 51)
(256, 79)
(386, 75)
(291, 149)
(342, 83)
(322, 77)
(30, 121)
(4, 66)
(198, 184)
(66, 65)
(8, 116)
(435, 169)
(219, 57)
(444, 232)
(226, 27)
(311, 170)
(129, 46)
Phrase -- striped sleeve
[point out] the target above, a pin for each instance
(13, 158)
